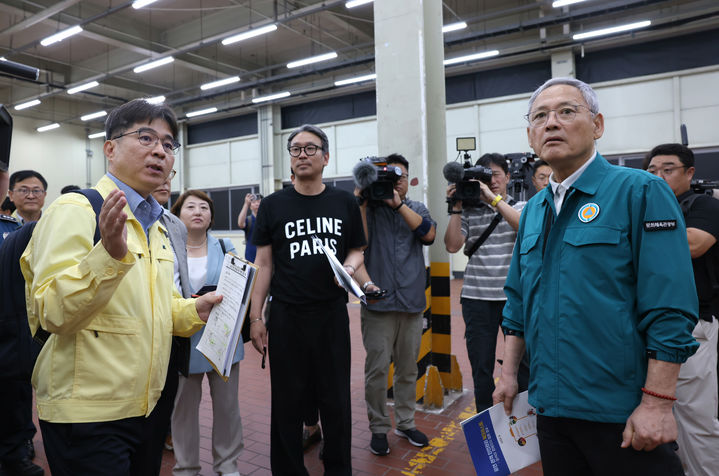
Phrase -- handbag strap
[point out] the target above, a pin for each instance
(488, 231)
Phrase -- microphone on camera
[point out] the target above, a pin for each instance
(364, 174)
(453, 172)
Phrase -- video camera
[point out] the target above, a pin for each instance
(704, 186)
(464, 176)
(376, 179)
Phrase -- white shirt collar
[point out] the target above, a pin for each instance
(560, 189)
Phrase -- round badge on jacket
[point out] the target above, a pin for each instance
(588, 212)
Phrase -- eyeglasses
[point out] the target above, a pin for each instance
(149, 138)
(27, 191)
(310, 150)
(564, 114)
(173, 172)
(666, 171)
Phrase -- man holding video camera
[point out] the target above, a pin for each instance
(487, 230)
(396, 229)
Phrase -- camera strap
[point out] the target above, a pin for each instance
(488, 231)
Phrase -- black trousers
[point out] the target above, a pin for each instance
(310, 344)
(571, 447)
(102, 448)
(17, 426)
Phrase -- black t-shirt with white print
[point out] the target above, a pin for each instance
(287, 220)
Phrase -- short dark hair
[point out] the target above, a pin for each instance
(312, 130)
(398, 159)
(685, 154)
(21, 175)
(8, 204)
(68, 189)
(494, 158)
(136, 111)
(538, 163)
(177, 206)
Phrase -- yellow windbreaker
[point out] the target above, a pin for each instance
(111, 321)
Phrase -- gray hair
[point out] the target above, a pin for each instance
(589, 95)
(312, 130)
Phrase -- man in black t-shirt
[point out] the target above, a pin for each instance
(308, 323)
(696, 406)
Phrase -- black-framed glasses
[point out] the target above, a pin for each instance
(664, 171)
(310, 150)
(149, 138)
(38, 192)
(565, 114)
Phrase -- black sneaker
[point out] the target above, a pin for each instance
(416, 437)
(23, 467)
(379, 445)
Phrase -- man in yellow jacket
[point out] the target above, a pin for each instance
(111, 307)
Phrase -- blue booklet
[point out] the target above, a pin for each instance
(501, 444)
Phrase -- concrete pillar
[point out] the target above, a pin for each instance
(268, 127)
(409, 55)
(563, 64)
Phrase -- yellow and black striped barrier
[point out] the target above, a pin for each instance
(437, 369)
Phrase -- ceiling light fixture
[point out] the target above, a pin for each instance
(83, 87)
(48, 127)
(454, 27)
(564, 3)
(201, 112)
(357, 3)
(94, 115)
(96, 135)
(153, 64)
(271, 97)
(357, 79)
(249, 34)
(141, 3)
(311, 60)
(28, 104)
(220, 82)
(614, 29)
(57, 37)
(156, 100)
(477, 56)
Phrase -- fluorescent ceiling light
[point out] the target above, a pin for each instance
(357, 79)
(454, 27)
(564, 3)
(94, 115)
(271, 97)
(2, 58)
(614, 29)
(48, 127)
(357, 3)
(96, 135)
(249, 34)
(61, 35)
(141, 3)
(83, 87)
(313, 59)
(201, 112)
(221, 82)
(28, 104)
(477, 56)
(154, 64)
(156, 100)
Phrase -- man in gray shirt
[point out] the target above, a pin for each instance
(483, 291)
(396, 230)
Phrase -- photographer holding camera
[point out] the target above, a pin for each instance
(488, 231)
(396, 229)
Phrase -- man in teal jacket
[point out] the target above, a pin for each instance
(601, 291)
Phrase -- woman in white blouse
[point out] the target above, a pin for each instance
(204, 262)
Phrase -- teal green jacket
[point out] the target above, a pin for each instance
(612, 286)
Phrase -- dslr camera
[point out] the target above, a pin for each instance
(376, 179)
(465, 175)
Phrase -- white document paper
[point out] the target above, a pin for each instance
(222, 332)
(501, 444)
(341, 274)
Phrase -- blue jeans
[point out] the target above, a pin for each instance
(482, 320)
